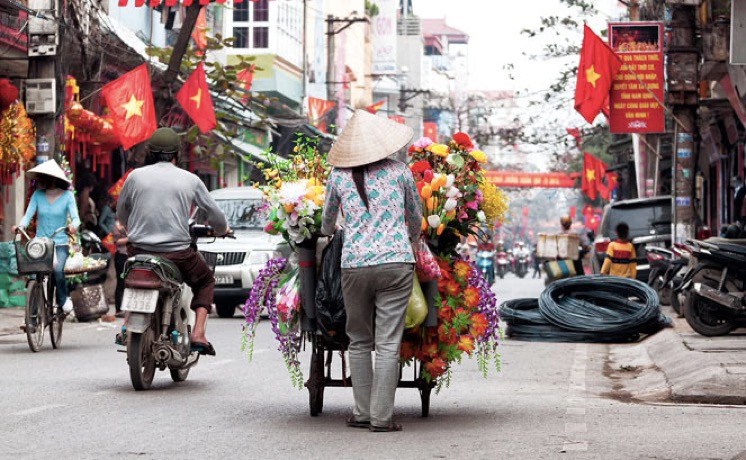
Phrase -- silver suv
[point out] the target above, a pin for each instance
(240, 260)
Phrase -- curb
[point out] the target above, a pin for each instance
(694, 377)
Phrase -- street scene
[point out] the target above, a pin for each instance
(372, 229)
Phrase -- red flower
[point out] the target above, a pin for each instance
(478, 325)
(462, 270)
(462, 139)
(411, 149)
(452, 288)
(445, 313)
(447, 335)
(466, 344)
(436, 367)
(428, 175)
(420, 166)
(407, 351)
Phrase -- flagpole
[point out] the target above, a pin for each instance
(655, 96)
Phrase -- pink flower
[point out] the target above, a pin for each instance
(463, 216)
(479, 195)
(472, 205)
(423, 142)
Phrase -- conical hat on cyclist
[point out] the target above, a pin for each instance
(48, 168)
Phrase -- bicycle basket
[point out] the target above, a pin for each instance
(211, 258)
(35, 256)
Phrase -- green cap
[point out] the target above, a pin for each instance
(164, 140)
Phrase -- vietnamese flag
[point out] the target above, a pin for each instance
(598, 67)
(199, 34)
(430, 130)
(246, 77)
(611, 183)
(194, 97)
(130, 100)
(593, 171)
(375, 107)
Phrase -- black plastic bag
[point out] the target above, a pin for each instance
(331, 317)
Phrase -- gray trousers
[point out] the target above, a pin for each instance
(376, 303)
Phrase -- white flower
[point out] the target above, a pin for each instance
(434, 221)
(481, 216)
(293, 192)
(453, 192)
(450, 204)
(450, 179)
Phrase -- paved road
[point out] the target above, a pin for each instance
(550, 401)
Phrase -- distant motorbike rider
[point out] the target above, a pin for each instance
(585, 244)
(155, 205)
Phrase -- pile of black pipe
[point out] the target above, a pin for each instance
(601, 309)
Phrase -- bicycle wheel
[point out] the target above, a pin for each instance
(35, 315)
(55, 317)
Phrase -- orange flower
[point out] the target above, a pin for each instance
(471, 296)
(445, 313)
(440, 229)
(466, 344)
(462, 270)
(452, 288)
(436, 367)
(478, 325)
(430, 349)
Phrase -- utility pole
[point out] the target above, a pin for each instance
(683, 97)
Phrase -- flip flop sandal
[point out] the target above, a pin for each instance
(121, 339)
(203, 348)
(352, 423)
(386, 429)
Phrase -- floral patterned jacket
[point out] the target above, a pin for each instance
(384, 233)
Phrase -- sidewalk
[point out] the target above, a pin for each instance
(10, 320)
(696, 369)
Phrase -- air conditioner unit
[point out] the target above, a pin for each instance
(40, 96)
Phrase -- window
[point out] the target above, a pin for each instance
(241, 11)
(241, 34)
(261, 37)
(261, 10)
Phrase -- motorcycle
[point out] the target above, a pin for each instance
(667, 269)
(503, 264)
(158, 316)
(521, 265)
(714, 287)
(486, 265)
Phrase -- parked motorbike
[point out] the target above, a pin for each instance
(486, 265)
(521, 265)
(713, 287)
(158, 321)
(667, 268)
(503, 264)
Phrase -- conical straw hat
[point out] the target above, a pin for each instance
(48, 168)
(366, 139)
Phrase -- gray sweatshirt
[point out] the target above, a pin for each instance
(155, 205)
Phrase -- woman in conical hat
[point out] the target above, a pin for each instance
(53, 204)
(382, 217)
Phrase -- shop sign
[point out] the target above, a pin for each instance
(637, 88)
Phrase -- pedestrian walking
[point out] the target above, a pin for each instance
(54, 206)
(382, 217)
(537, 264)
(621, 259)
(119, 235)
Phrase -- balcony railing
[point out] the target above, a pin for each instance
(409, 25)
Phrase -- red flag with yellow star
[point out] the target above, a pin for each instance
(130, 101)
(195, 99)
(598, 67)
(375, 107)
(593, 172)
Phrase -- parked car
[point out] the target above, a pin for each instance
(239, 260)
(649, 221)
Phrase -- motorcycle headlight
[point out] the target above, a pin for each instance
(36, 249)
(262, 257)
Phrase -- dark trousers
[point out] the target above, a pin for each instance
(119, 261)
(194, 270)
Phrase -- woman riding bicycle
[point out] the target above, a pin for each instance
(53, 204)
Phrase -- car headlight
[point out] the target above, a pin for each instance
(262, 257)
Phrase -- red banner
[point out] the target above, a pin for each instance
(527, 179)
(634, 108)
(430, 129)
(398, 119)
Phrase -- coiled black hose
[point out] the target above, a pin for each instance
(586, 309)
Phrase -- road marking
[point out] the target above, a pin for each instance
(576, 403)
(576, 428)
(36, 410)
(575, 446)
(575, 411)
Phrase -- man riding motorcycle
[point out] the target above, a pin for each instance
(155, 205)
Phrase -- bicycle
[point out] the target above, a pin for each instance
(35, 259)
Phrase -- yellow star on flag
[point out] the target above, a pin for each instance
(197, 98)
(591, 76)
(133, 107)
(590, 175)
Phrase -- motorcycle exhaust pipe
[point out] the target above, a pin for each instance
(720, 298)
(163, 354)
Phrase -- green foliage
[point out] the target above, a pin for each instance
(371, 9)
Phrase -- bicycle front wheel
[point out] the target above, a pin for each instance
(35, 315)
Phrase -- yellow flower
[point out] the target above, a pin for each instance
(479, 156)
(439, 149)
(314, 182)
(494, 203)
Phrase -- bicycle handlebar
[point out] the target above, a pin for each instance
(22, 231)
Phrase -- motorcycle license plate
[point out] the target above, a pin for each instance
(140, 300)
(222, 280)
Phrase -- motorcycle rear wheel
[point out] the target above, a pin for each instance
(703, 316)
(141, 360)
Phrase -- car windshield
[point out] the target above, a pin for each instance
(641, 219)
(244, 214)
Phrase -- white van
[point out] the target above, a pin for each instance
(239, 260)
